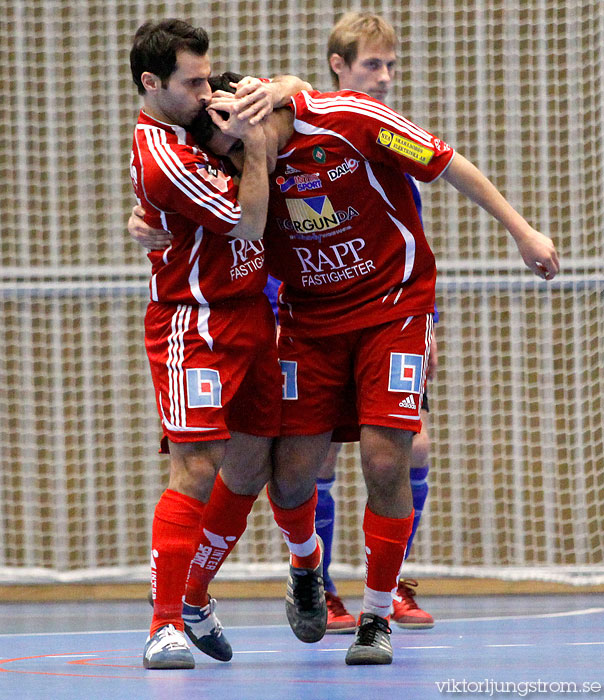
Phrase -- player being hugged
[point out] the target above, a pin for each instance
(356, 310)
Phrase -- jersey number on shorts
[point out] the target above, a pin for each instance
(289, 370)
(405, 372)
(204, 388)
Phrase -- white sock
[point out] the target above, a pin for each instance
(377, 602)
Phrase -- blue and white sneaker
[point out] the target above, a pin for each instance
(167, 648)
(205, 631)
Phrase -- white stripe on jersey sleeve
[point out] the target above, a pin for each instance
(194, 182)
(194, 189)
(367, 108)
(214, 200)
(325, 103)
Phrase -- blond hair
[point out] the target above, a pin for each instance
(354, 27)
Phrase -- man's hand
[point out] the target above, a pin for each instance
(236, 124)
(253, 99)
(257, 99)
(539, 253)
(150, 238)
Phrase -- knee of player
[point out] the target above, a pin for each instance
(193, 467)
(289, 489)
(248, 480)
(384, 471)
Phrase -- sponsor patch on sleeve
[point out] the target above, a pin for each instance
(405, 147)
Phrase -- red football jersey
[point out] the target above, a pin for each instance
(186, 191)
(343, 231)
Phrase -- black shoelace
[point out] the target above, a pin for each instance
(369, 629)
(306, 591)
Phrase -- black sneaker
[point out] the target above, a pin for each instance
(305, 602)
(372, 643)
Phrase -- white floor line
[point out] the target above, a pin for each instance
(70, 634)
(70, 656)
(435, 646)
(569, 613)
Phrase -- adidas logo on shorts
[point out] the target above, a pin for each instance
(409, 402)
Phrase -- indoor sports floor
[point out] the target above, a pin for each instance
(90, 651)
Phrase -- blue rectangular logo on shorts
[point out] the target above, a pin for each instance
(204, 389)
(289, 371)
(405, 372)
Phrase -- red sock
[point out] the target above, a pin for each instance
(385, 544)
(176, 529)
(224, 522)
(298, 528)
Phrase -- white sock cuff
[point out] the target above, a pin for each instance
(303, 549)
(377, 602)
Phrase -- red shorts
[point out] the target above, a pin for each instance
(371, 376)
(214, 369)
